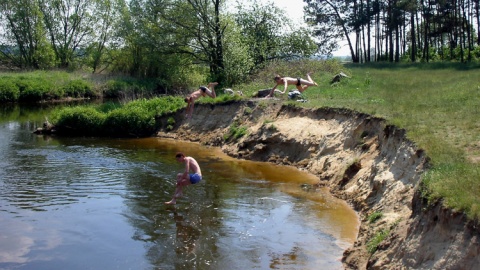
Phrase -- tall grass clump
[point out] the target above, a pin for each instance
(79, 120)
(35, 89)
(41, 85)
(129, 88)
(9, 91)
(134, 119)
(79, 88)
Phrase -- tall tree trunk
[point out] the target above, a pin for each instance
(477, 14)
(397, 43)
(413, 45)
(368, 30)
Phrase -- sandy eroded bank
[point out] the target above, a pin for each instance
(362, 160)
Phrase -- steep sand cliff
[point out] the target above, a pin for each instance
(360, 159)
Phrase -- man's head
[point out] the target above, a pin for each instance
(277, 78)
(180, 157)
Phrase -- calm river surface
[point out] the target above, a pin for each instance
(92, 203)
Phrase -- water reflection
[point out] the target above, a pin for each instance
(80, 203)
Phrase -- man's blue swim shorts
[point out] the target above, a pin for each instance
(195, 178)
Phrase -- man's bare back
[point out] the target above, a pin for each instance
(192, 165)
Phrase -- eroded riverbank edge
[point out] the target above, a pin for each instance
(361, 159)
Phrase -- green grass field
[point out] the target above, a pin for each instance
(437, 103)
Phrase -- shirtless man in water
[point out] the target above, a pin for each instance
(186, 178)
(300, 83)
(200, 92)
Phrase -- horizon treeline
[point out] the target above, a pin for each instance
(396, 30)
(184, 42)
(179, 42)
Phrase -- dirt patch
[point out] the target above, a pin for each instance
(360, 159)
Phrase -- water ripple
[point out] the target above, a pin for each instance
(41, 178)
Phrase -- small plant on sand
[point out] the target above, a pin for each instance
(372, 245)
(374, 217)
(170, 123)
(272, 127)
(263, 104)
(236, 131)
(267, 121)
(247, 111)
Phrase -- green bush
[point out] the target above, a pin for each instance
(79, 120)
(158, 106)
(136, 118)
(128, 87)
(132, 121)
(34, 89)
(9, 91)
(113, 88)
(79, 88)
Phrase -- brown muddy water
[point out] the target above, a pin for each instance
(93, 203)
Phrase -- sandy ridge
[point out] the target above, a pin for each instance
(362, 160)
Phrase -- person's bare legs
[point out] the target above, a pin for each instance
(181, 182)
(301, 88)
(306, 84)
(190, 109)
(211, 87)
(310, 81)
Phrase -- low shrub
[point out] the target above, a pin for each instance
(8, 90)
(34, 89)
(134, 119)
(114, 88)
(79, 120)
(79, 88)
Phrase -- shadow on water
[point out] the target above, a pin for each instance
(80, 203)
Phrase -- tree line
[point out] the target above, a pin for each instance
(179, 41)
(392, 30)
(175, 41)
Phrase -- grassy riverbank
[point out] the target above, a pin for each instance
(439, 106)
(44, 85)
(59, 85)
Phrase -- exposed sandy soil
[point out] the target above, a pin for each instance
(360, 159)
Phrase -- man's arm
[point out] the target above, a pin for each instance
(273, 90)
(285, 86)
(187, 166)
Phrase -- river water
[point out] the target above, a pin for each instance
(96, 203)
